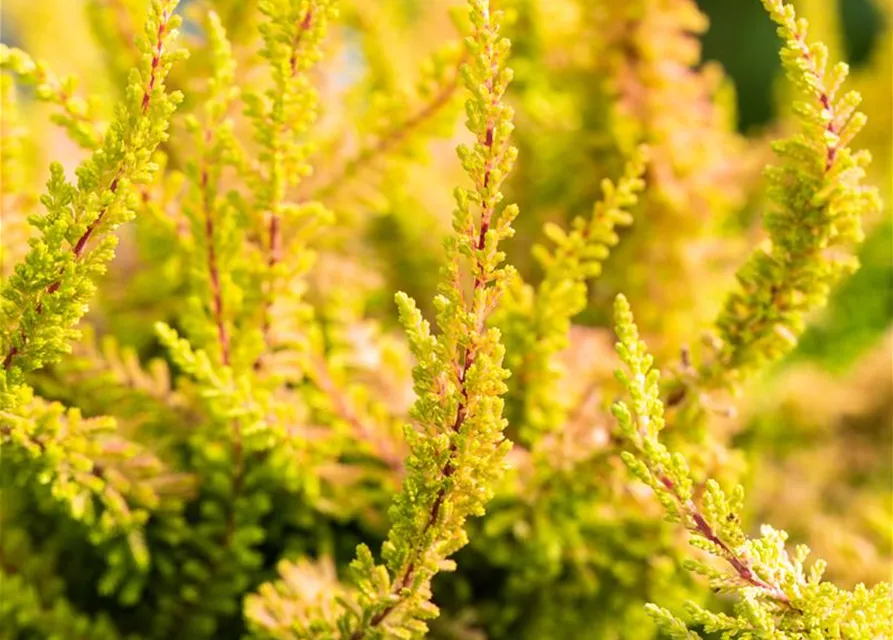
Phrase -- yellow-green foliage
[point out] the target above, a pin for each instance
(820, 202)
(779, 597)
(218, 421)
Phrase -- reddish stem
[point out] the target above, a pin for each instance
(302, 29)
(80, 246)
(824, 98)
(213, 269)
(156, 60)
(468, 358)
(739, 563)
(274, 227)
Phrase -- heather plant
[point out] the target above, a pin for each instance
(274, 365)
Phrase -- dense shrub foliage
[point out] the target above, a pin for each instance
(262, 377)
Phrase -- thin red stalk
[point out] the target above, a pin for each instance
(213, 268)
(274, 227)
(824, 98)
(214, 274)
(275, 241)
(447, 471)
(486, 208)
(7, 361)
(156, 60)
(302, 29)
(81, 245)
(274, 232)
(237, 485)
(740, 564)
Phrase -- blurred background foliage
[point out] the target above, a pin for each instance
(814, 436)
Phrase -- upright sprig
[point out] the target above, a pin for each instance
(292, 36)
(457, 448)
(456, 454)
(820, 203)
(216, 233)
(48, 293)
(778, 597)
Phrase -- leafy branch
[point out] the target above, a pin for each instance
(47, 294)
(816, 223)
(777, 596)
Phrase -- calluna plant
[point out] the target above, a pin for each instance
(222, 431)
